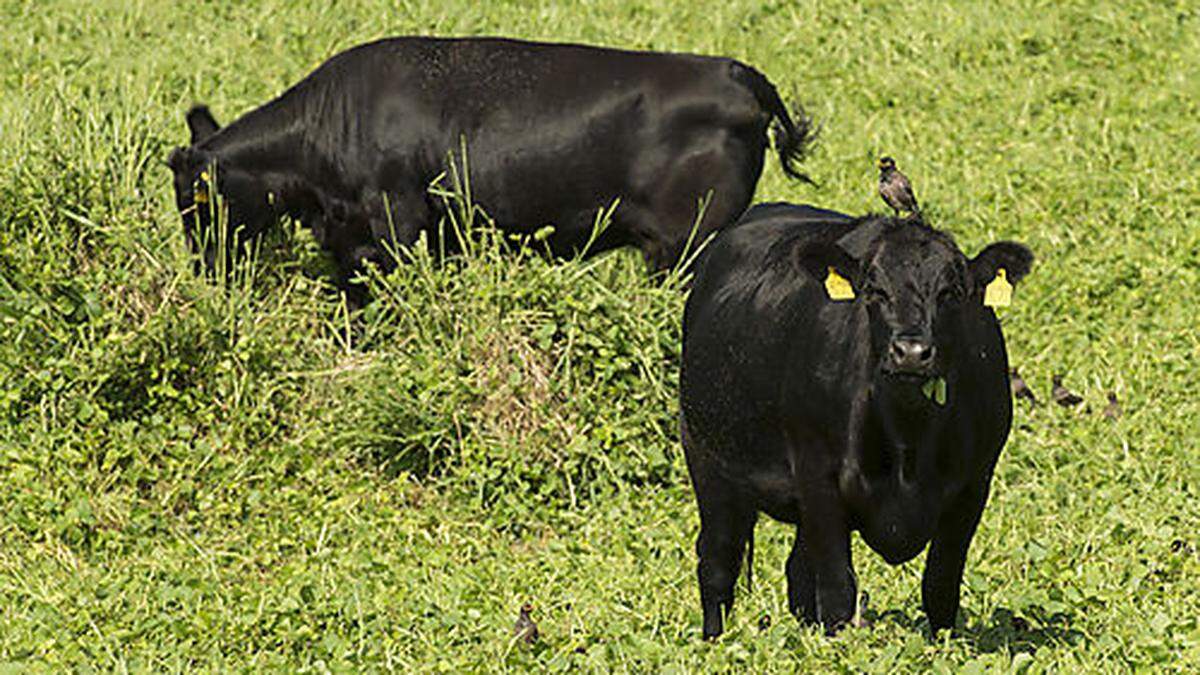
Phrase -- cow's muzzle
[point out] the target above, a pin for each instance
(911, 355)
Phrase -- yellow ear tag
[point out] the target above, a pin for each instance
(200, 189)
(999, 292)
(837, 287)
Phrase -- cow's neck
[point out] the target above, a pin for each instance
(908, 424)
(269, 142)
(889, 477)
(274, 152)
(906, 414)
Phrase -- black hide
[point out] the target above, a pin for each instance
(825, 414)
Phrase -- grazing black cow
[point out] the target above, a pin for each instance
(883, 412)
(554, 133)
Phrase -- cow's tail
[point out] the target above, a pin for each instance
(793, 139)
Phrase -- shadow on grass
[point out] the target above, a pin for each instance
(1003, 630)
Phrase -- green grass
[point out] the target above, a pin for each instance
(199, 479)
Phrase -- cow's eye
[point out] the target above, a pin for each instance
(876, 294)
(948, 295)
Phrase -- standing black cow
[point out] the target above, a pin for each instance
(883, 412)
(555, 132)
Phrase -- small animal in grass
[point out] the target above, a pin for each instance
(1020, 388)
(1063, 396)
(895, 189)
(525, 628)
(1112, 411)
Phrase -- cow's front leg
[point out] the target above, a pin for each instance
(825, 528)
(948, 554)
(395, 222)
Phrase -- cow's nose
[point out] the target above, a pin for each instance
(911, 354)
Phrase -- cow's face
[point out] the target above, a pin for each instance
(209, 191)
(913, 283)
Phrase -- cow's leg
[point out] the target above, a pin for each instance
(826, 531)
(353, 261)
(942, 579)
(396, 221)
(802, 597)
(726, 525)
(833, 575)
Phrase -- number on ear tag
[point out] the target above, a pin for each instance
(837, 287)
(999, 292)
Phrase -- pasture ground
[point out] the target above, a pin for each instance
(199, 479)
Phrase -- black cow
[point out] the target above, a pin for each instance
(554, 133)
(884, 413)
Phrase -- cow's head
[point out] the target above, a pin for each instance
(212, 189)
(913, 283)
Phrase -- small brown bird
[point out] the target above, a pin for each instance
(526, 629)
(1112, 411)
(895, 189)
(1063, 396)
(1020, 389)
(764, 622)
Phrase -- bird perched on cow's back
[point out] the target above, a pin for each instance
(895, 189)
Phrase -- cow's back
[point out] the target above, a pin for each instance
(552, 132)
(548, 134)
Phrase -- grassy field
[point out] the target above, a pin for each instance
(199, 479)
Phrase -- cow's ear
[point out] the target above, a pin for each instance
(1009, 256)
(201, 123)
(829, 264)
(997, 269)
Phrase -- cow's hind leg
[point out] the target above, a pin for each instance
(719, 179)
(725, 528)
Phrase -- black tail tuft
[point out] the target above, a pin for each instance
(793, 139)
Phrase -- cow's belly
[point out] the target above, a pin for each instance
(775, 494)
